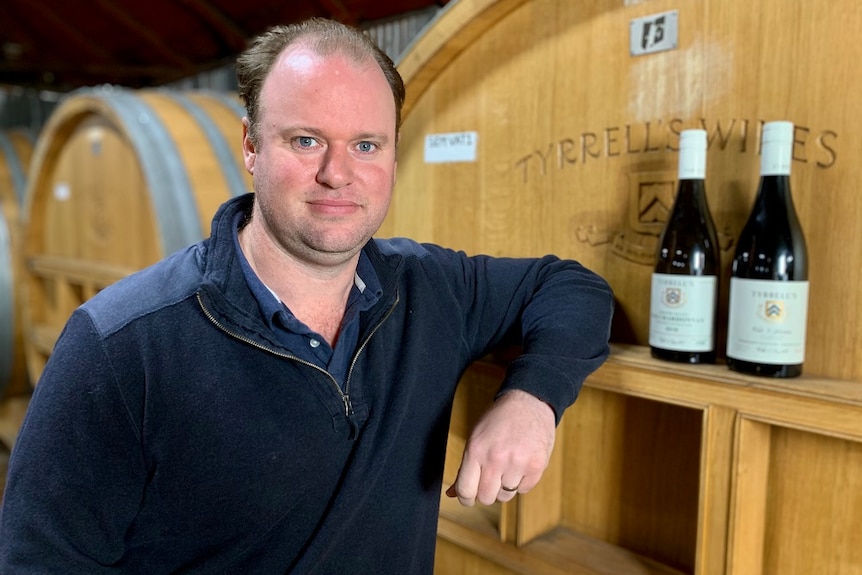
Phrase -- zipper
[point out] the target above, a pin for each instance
(370, 335)
(345, 396)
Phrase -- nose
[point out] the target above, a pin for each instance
(336, 168)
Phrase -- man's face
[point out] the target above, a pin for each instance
(324, 163)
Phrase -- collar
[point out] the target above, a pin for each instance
(366, 290)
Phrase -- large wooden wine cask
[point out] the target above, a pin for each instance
(120, 179)
(577, 138)
(16, 147)
(546, 126)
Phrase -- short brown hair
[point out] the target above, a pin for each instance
(324, 37)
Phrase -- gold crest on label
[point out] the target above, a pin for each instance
(773, 310)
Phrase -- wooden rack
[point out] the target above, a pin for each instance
(663, 468)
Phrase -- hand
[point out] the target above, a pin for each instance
(508, 450)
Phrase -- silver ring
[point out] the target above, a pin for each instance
(509, 489)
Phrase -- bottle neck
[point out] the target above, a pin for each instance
(691, 196)
(774, 188)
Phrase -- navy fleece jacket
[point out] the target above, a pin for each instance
(170, 432)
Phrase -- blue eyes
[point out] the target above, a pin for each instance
(309, 142)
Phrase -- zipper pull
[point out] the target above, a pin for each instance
(350, 415)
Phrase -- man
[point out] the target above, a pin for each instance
(276, 398)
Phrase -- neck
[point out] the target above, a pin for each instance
(316, 294)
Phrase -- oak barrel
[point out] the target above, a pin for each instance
(120, 179)
(16, 147)
(535, 126)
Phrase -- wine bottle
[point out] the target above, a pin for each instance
(683, 298)
(768, 305)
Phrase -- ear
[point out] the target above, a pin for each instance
(248, 149)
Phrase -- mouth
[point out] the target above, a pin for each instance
(334, 207)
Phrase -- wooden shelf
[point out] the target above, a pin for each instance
(808, 403)
(559, 552)
(667, 468)
(841, 391)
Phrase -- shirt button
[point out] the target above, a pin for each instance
(314, 343)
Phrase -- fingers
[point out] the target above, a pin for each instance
(466, 486)
(469, 499)
(485, 489)
(493, 478)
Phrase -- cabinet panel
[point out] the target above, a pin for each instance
(813, 505)
(631, 474)
(797, 502)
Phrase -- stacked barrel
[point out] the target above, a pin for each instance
(115, 180)
(16, 147)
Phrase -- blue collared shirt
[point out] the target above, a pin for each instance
(301, 340)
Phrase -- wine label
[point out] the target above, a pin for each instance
(682, 312)
(766, 321)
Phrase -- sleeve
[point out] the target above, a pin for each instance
(558, 311)
(565, 329)
(77, 472)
